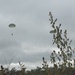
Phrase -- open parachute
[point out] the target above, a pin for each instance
(12, 25)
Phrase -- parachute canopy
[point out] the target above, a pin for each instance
(12, 25)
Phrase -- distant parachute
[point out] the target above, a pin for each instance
(12, 25)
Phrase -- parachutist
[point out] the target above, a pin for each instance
(12, 34)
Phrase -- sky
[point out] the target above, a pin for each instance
(31, 39)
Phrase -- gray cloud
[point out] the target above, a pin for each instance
(31, 40)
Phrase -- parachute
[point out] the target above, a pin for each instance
(12, 25)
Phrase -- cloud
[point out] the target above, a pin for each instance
(31, 39)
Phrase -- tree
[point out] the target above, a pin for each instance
(45, 67)
(63, 43)
(23, 68)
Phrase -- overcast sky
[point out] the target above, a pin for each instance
(31, 39)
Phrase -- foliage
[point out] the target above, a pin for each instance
(63, 43)
(45, 65)
(22, 66)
